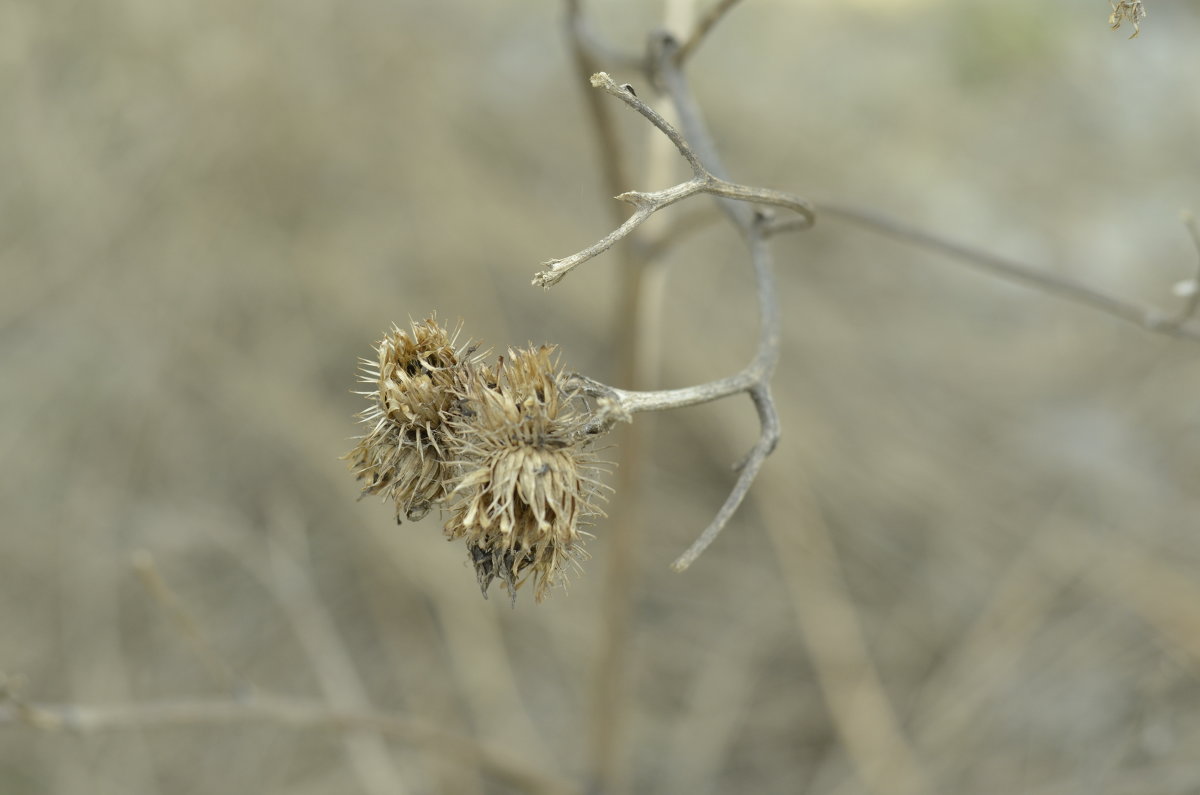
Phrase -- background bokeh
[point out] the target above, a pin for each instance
(979, 534)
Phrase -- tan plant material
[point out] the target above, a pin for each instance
(526, 479)
(414, 383)
(1127, 11)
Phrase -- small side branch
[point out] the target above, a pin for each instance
(626, 94)
(616, 405)
(1147, 317)
(768, 438)
(613, 404)
(646, 204)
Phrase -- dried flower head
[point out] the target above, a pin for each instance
(526, 479)
(414, 381)
(1127, 11)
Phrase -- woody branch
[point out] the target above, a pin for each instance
(695, 146)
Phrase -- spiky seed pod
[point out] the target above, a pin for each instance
(414, 382)
(525, 477)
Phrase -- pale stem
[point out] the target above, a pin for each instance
(736, 201)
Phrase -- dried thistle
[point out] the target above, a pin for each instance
(526, 480)
(1127, 11)
(414, 382)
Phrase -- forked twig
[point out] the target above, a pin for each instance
(646, 204)
(695, 146)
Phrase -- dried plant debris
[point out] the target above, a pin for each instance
(503, 448)
(526, 477)
(1130, 11)
(414, 382)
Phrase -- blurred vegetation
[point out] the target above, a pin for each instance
(210, 210)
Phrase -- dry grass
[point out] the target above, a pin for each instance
(979, 566)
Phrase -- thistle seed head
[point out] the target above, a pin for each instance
(525, 478)
(414, 381)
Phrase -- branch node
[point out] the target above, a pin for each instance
(739, 202)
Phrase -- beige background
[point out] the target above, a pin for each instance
(210, 210)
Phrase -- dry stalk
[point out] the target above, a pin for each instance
(1172, 324)
(697, 149)
(704, 180)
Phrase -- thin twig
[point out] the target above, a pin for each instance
(293, 713)
(704, 180)
(749, 471)
(708, 177)
(706, 24)
(762, 367)
(1147, 317)
(626, 94)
